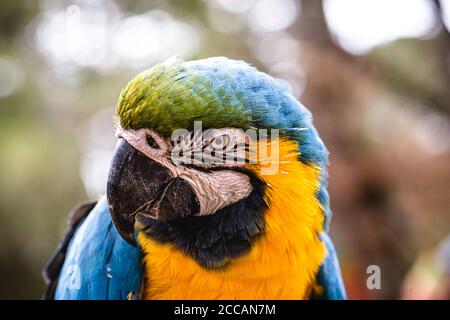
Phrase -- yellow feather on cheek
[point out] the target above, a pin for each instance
(282, 263)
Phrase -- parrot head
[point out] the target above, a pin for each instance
(201, 146)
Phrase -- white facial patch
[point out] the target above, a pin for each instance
(214, 190)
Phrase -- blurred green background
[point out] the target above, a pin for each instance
(375, 74)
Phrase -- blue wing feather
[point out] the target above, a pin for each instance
(99, 264)
(329, 276)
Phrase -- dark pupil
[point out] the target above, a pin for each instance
(151, 142)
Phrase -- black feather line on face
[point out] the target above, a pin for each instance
(215, 239)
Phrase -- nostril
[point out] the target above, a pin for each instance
(151, 142)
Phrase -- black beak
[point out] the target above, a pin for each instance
(138, 184)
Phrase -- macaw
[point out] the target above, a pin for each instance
(173, 229)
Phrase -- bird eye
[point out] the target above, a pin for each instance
(151, 142)
(221, 142)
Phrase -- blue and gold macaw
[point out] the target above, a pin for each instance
(176, 230)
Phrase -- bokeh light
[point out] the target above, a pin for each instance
(96, 34)
(377, 21)
(269, 16)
